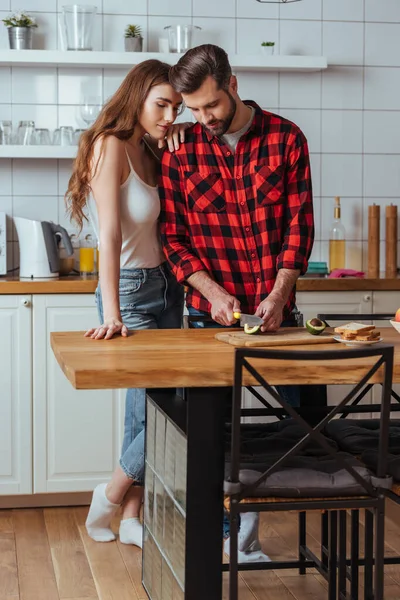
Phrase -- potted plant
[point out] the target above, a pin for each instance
(133, 38)
(267, 47)
(20, 26)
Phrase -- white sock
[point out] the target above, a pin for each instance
(249, 555)
(100, 514)
(131, 532)
(248, 535)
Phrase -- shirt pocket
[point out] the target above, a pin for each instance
(269, 184)
(205, 192)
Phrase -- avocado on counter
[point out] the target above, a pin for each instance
(315, 326)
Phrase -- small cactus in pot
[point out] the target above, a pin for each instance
(133, 38)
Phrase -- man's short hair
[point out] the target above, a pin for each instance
(196, 65)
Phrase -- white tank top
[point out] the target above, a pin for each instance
(140, 209)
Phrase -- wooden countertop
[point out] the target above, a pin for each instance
(190, 358)
(78, 285)
(62, 285)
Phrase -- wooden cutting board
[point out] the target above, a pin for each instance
(288, 336)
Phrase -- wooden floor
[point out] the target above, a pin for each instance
(45, 554)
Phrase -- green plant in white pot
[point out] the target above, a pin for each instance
(133, 38)
(267, 47)
(20, 26)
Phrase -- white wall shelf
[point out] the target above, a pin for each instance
(59, 58)
(38, 151)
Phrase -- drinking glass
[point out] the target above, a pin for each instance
(42, 137)
(77, 135)
(26, 133)
(90, 109)
(5, 133)
(64, 136)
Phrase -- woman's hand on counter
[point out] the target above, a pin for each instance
(109, 328)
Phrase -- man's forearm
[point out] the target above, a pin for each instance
(285, 281)
(207, 287)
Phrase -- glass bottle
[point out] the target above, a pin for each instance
(337, 241)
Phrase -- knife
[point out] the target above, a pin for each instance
(251, 320)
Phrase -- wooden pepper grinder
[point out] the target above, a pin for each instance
(373, 241)
(391, 241)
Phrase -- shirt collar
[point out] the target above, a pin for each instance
(256, 125)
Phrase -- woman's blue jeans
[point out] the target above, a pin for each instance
(149, 299)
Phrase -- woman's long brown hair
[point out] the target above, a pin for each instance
(118, 117)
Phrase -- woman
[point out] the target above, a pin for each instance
(114, 178)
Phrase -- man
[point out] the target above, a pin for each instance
(237, 216)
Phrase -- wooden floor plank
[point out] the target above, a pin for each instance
(304, 588)
(72, 570)
(266, 585)
(6, 524)
(35, 568)
(9, 587)
(244, 591)
(108, 568)
(132, 557)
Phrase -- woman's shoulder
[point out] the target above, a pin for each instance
(108, 148)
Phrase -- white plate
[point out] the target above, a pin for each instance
(356, 343)
(396, 325)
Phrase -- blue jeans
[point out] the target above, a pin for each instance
(290, 393)
(149, 299)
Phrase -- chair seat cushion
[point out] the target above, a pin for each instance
(358, 435)
(306, 476)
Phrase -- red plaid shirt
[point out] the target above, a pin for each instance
(240, 216)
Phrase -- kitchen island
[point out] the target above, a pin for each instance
(185, 446)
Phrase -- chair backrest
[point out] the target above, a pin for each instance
(327, 317)
(384, 354)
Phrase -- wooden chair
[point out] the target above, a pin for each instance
(372, 500)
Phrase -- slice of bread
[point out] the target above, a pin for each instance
(354, 328)
(368, 337)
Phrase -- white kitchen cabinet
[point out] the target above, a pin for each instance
(15, 395)
(77, 434)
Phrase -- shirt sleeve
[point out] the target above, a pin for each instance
(175, 236)
(299, 234)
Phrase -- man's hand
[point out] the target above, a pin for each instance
(223, 307)
(271, 310)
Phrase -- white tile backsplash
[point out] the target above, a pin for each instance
(341, 175)
(264, 89)
(342, 87)
(257, 10)
(300, 37)
(251, 32)
(122, 7)
(308, 9)
(343, 43)
(342, 131)
(349, 109)
(382, 175)
(381, 132)
(5, 176)
(343, 10)
(382, 44)
(5, 85)
(221, 32)
(40, 81)
(74, 85)
(382, 88)
(210, 8)
(383, 10)
(300, 90)
(34, 177)
(170, 8)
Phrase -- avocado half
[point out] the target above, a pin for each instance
(251, 330)
(315, 326)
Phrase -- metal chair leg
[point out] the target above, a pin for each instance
(368, 554)
(233, 553)
(355, 554)
(332, 558)
(302, 540)
(379, 574)
(342, 553)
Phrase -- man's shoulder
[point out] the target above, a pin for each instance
(190, 147)
(274, 123)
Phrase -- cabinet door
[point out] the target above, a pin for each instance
(77, 434)
(15, 395)
(357, 303)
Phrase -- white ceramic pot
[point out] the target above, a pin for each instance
(133, 44)
(268, 50)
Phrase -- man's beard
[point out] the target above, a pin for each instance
(223, 124)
